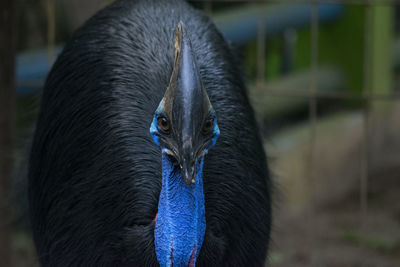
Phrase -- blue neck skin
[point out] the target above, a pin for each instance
(181, 222)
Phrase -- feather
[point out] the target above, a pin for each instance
(95, 172)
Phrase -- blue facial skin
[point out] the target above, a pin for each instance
(181, 221)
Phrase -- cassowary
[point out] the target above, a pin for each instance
(146, 150)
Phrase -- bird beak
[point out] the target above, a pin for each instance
(189, 171)
(187, 103)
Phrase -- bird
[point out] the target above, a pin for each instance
(146, 150)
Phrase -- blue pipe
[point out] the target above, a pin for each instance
(241, 27)
(238, 26)
(31, 70)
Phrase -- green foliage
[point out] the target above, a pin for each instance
(380, 243)
(340, 43)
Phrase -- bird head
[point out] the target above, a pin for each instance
(185, 123)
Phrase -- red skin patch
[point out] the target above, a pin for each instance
(171, 257)
(192, 256)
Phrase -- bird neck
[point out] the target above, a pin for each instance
(181, 222)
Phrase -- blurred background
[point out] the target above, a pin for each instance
(323, 78)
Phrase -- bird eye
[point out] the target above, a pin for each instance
(163, 124)
(208, 124)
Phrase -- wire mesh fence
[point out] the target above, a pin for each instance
(366, 94)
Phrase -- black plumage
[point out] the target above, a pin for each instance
(95, 172)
